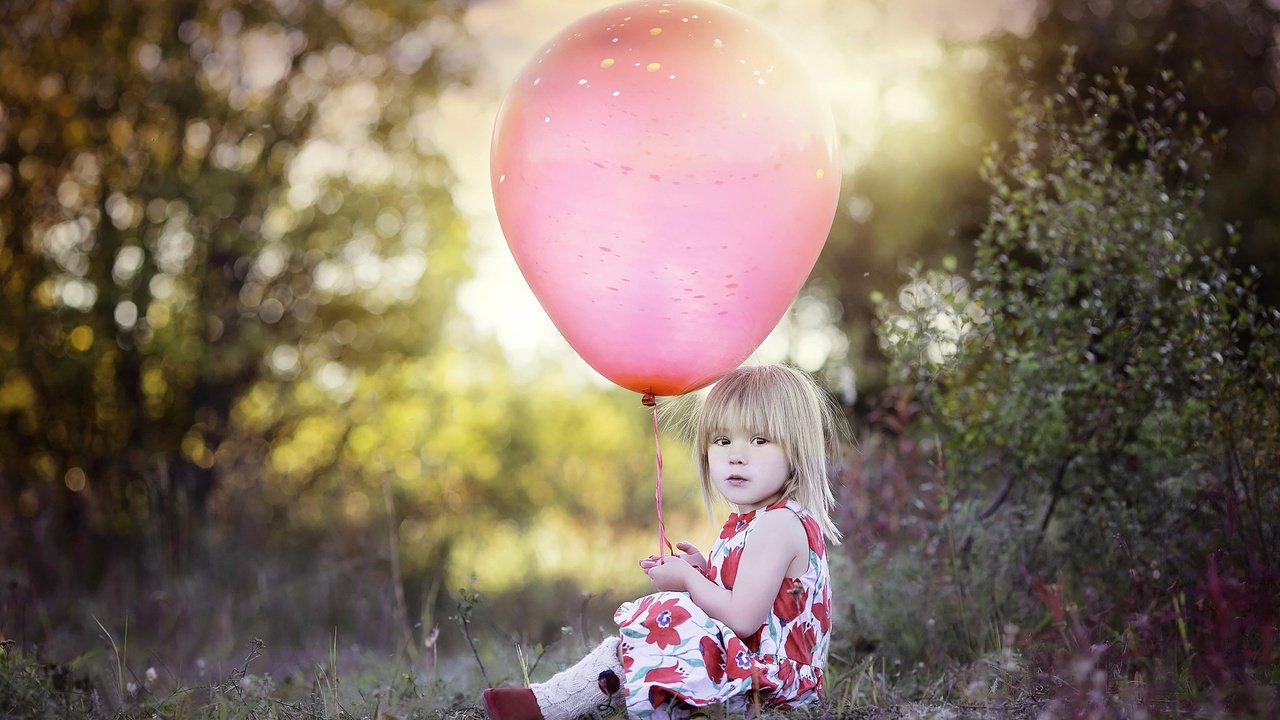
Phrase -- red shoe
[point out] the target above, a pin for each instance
(512, 704)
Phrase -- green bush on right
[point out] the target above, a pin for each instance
(1105, 390)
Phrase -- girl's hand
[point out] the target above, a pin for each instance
(671, 573)
(693, 556)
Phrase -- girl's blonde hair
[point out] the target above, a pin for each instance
(786, 406)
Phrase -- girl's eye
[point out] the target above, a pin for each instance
(720, 441)
(759, 440)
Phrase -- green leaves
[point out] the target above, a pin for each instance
(1101, 322)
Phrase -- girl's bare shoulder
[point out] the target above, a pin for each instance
(782, 525)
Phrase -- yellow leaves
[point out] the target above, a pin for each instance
(195, 449)
(81, 338)
(255, 410)
(363, 441)
(408, 467)
(311, 445)
(154, 387)
(557, 474)
(555, 546)
(356, 507)
(16, 392)
(120, 131)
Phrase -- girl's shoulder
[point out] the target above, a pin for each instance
(810, 530)
(774, 521)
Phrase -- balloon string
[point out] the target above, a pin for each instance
(664, 545)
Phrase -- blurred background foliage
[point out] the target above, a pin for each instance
(238, 397)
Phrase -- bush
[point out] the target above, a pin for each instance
(1105, 390)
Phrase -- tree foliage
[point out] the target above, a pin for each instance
(199, 197)
(919, 197)
(1107, 387)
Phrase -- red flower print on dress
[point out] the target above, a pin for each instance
(627, 659)
(808, 683)
(729, 570)
(662, 622)
(666, 675)
(800, 642)
(739, 659)
(735, 523)
(711, 573)
(638, 608)
(658, 695)
(814, 533)
(713, 657)
(822, 613)
(791, 600)
(786, 673)
(761, 681)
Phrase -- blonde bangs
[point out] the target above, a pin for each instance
(742, 405)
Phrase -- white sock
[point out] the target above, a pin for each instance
(580, 690)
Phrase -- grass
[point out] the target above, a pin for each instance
(30, 688)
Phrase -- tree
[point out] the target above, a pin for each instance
(1106, 388)
(199, 197)
(918, 197)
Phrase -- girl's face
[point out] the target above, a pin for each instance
(748, 469)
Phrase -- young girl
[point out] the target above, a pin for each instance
(750, 622)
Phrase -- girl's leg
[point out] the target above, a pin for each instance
(588, 689)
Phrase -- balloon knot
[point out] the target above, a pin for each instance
(648, 400)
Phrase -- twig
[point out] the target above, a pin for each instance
(393, 546)
(116, 651)
(466, 630)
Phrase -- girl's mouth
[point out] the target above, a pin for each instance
(736, 480)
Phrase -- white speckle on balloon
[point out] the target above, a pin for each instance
(663, 11)
(821, 173)
(653, 67)
(760, 81)
(671, 77)
(536, 81)
(583, 81)
(502, 179)
(655, 31)
(614, 40)
(607, 62)
(718, 44)
(616, 93)
(546, 119)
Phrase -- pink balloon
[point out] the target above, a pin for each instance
(665, 175)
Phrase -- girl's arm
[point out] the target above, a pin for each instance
(774, 544)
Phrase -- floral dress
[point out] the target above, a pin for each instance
(677, 658)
